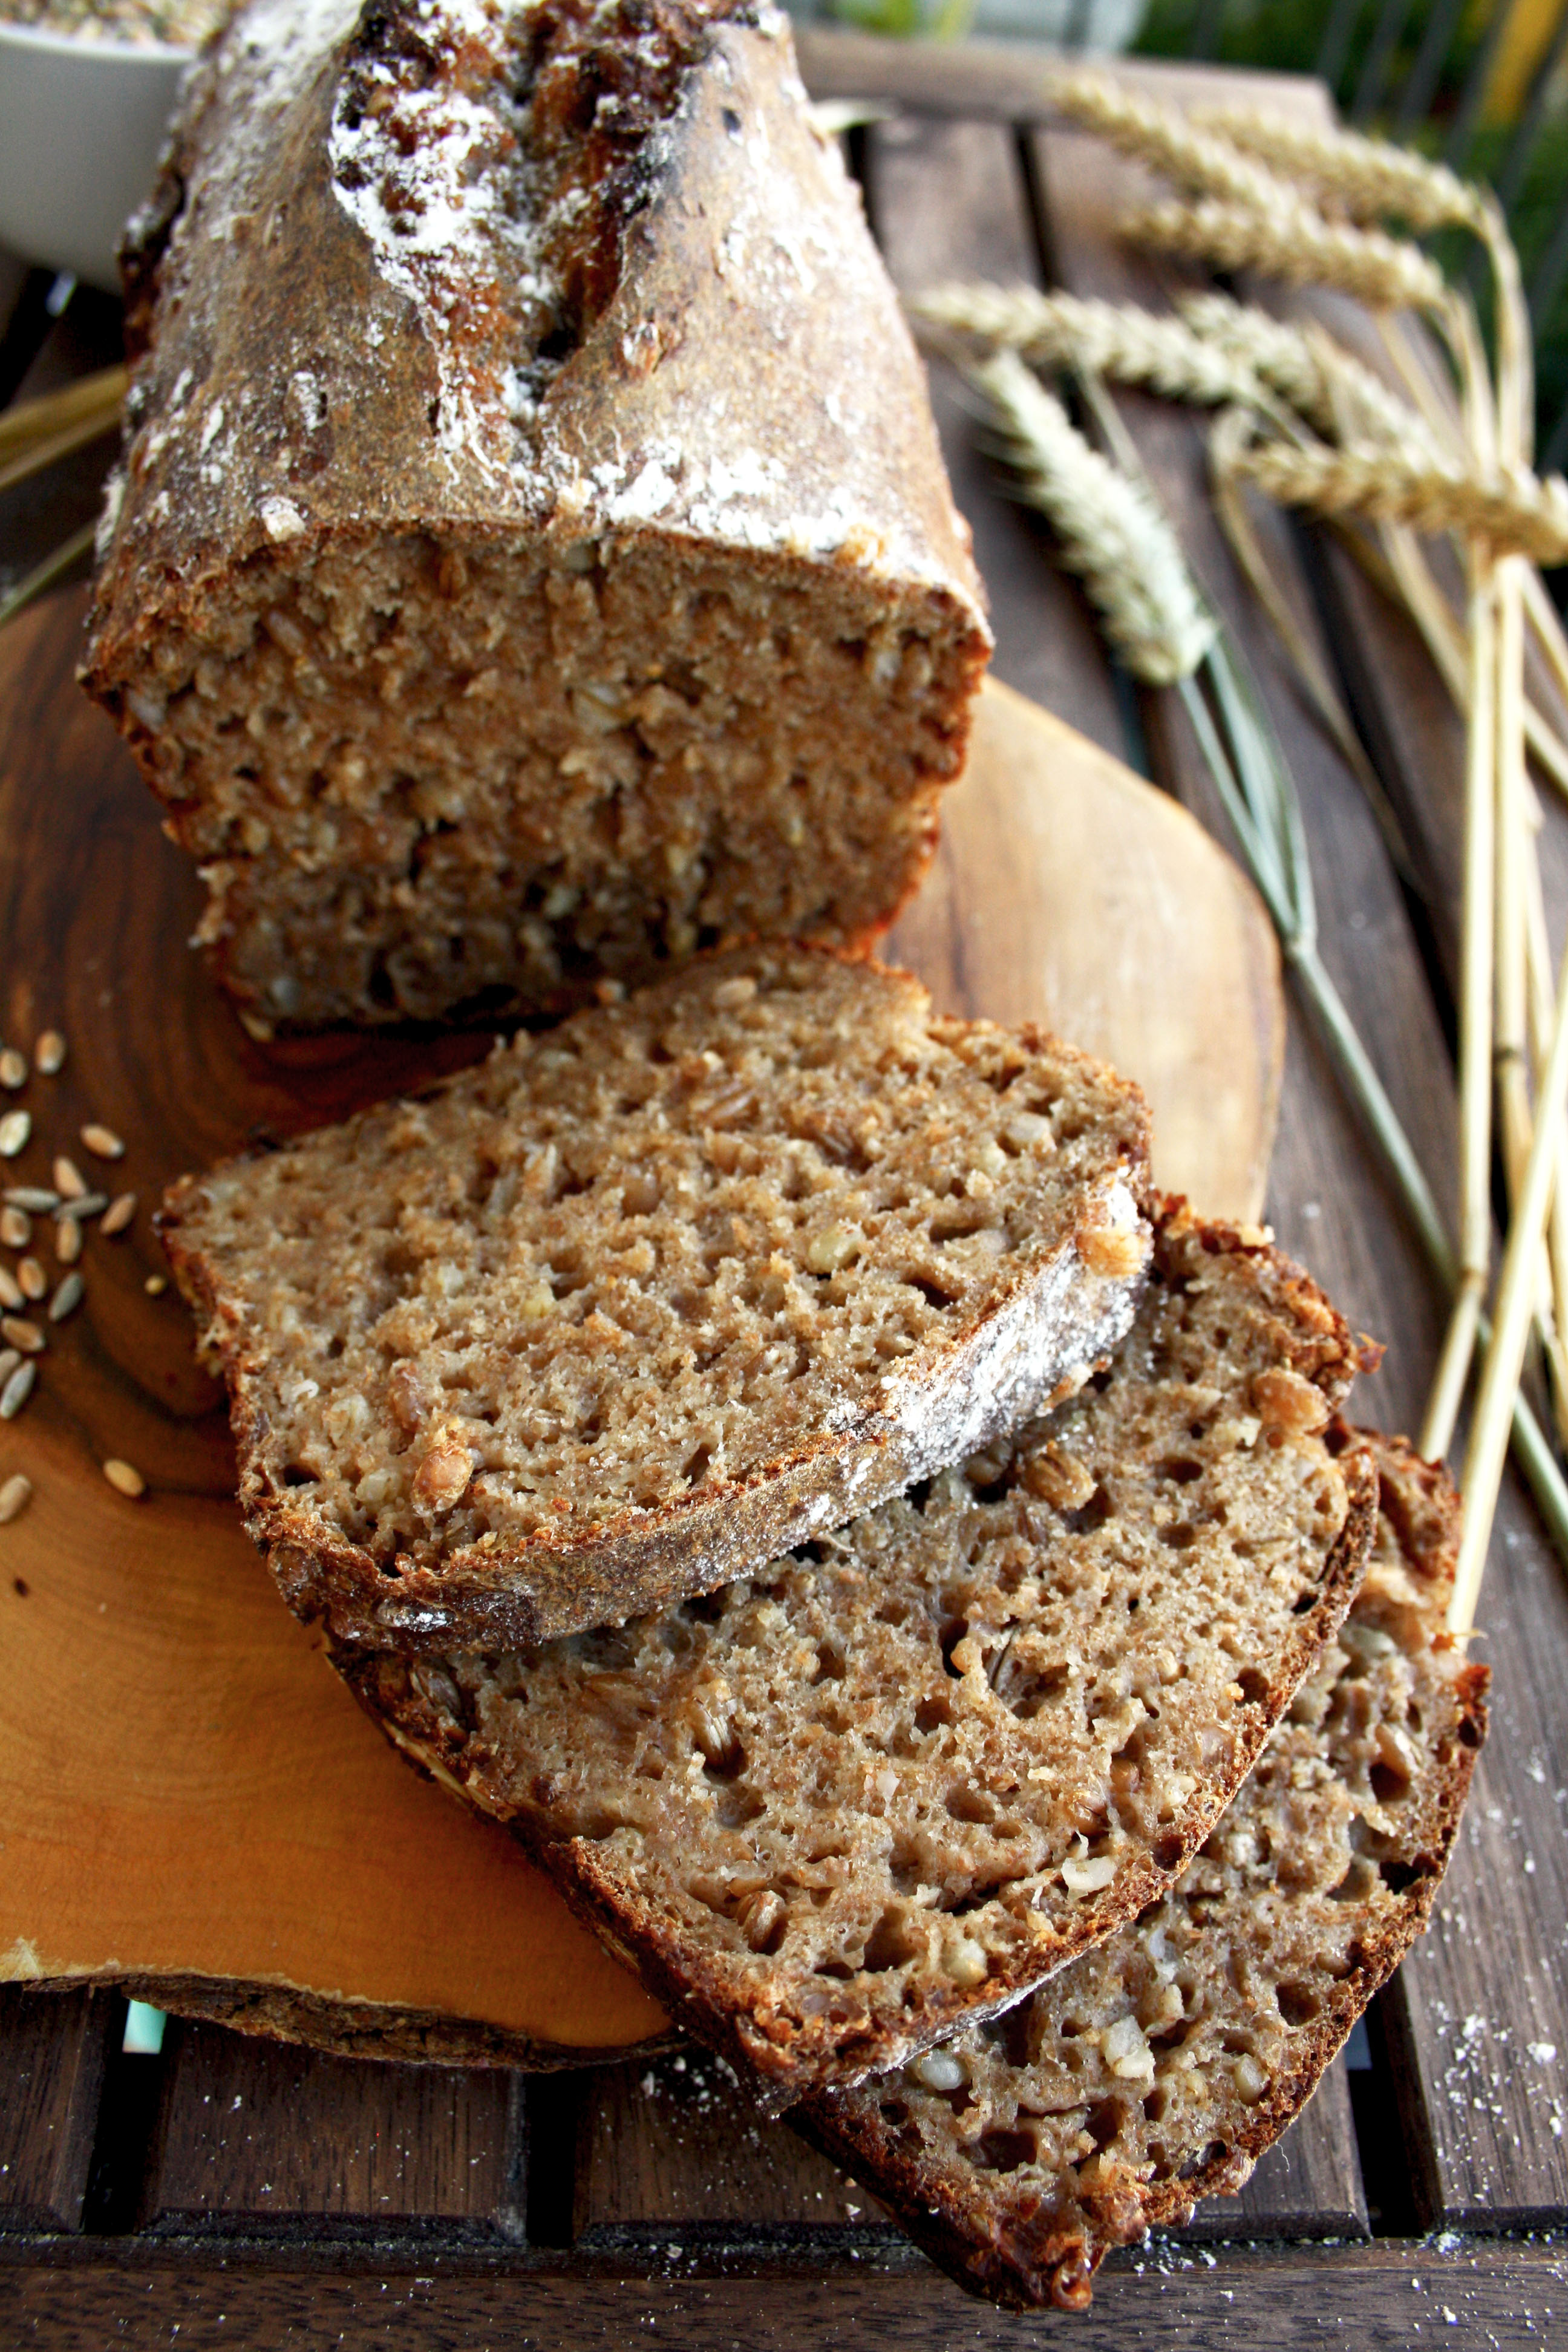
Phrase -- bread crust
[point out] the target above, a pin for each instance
(783, 2055)
(1003, 2254)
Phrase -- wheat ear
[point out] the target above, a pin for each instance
(1514, 511)
(1298, 246)
(1367, 178)
(1111, 339)
(1165, 138)
(1112, 532)
(1337, 394)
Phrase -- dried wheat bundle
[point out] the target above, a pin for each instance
(1113, 534)
(1369, 179)
(1117, 339)
(1298, 246)
(1514, 511)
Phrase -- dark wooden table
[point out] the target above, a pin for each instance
(230, 2191)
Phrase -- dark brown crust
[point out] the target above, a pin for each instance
(342, 2028)
(1420, 1501)
(518, 1594)
(781, 2058)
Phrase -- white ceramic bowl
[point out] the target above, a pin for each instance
(81, 124)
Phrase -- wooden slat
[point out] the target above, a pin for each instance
(950, 203)
(675, 2156)
(52, 2051)
(1290, 2300)
(258, 2140)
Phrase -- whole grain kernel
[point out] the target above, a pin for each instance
(119, 1214)
(15, 1228)
(31, 1198)
(442, 1478)
(10, 1290)
(91, 1205)
(938, 2070)
(1116, 1252)
(70, 1182)
(102, 1142)
(35, 1281)
(9, 1360)
(1283, 1400)
(68, 1240)
(155, 1285)
(21, 1334)
(67, 1297)
(14, 1497)
(15, 1129)
(964, 1961)
(49, 1054)
(124, 1479)
(18, 1388)
(1058, 1477)
(13, 1067)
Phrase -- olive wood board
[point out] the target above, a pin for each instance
(190, 1805)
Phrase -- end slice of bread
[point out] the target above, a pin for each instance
(642, 1303)
(896, 1778)
(1155, 2070)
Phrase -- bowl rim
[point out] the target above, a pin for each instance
(135, 53)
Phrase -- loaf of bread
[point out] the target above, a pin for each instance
(531, 559)
(899, 1777)
(630, 1309)
(1154, 2071)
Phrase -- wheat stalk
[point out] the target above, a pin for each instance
(1112, 339)
(1337, 394)
(1511, 509)
(1298, 246)
(1113, 534)
(1367, 178)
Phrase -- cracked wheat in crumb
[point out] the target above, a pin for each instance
(532, 558)
(898, 1777)
(1157, 2068)
(638, 1303)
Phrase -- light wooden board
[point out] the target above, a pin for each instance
(193, 1805)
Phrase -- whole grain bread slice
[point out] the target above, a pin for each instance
(1156, 2069)
(640, 1303)
(894, 1780)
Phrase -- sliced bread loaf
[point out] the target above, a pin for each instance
(532, 557)
(898, 1777)
(637, 1305)
(1155, 2070)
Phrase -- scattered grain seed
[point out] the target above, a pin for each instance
(15, 1129)
(13, 1067)
(70, 1182)
(35, 1281)
(21, 1333)
(50, 1053)
(89, 1205)
(119, 1214)
(31, 1197)
(155, 1285)
(102, 1142)
(67, 1297)
(10, 1290)
(68, 1240)
(14, 1497)
(124, 1479)
(16, 1391)
(15, 1228)
(9, 1360)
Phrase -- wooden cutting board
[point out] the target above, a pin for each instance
(190, 1804)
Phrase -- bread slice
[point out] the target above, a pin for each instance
(640, 1303)
(1155, 2070)
(532, 557)
(895, 1779)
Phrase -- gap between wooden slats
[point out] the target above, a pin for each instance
(256, 2138)
(674, 2159)
(52, 2054)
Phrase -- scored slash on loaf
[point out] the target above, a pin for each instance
(633, 1306)
(1155, 2070)
(533, 558)
(896, 1778)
